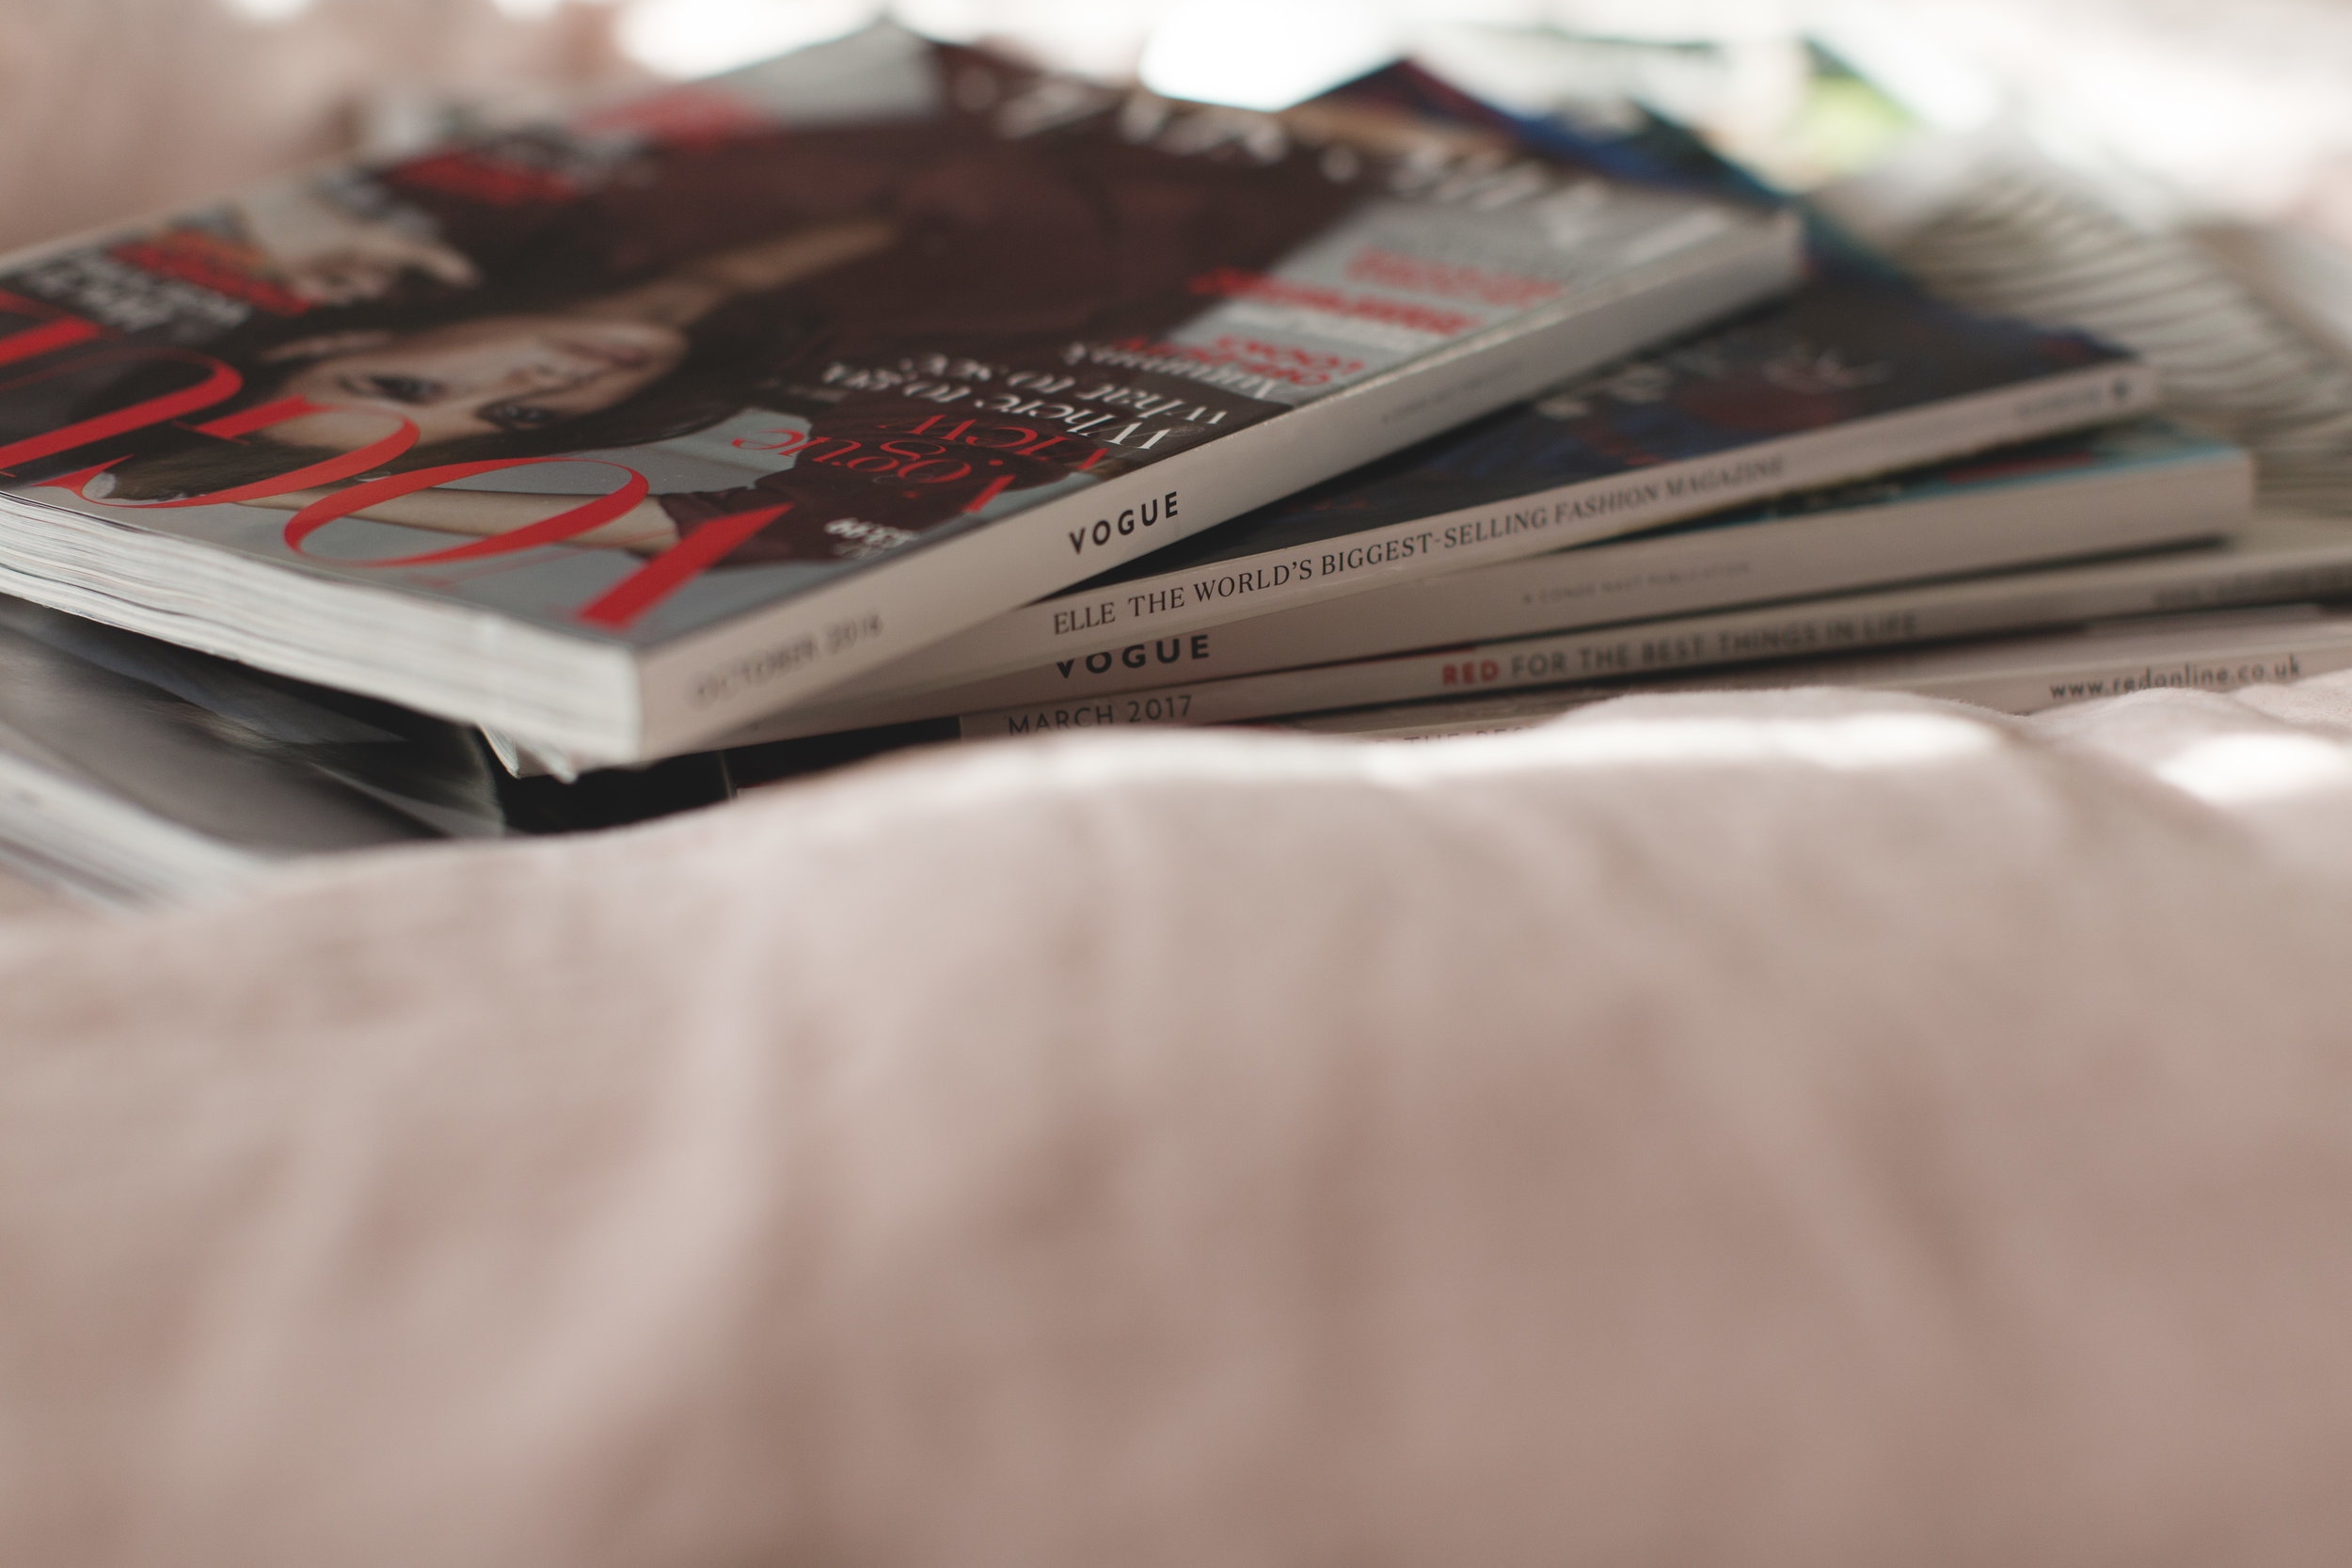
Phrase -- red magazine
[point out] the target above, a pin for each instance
(618, 434)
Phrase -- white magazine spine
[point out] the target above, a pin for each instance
(2029, 684)
(1930, 613)
(2029, 677)
(1037, 633)
(704, 686)
(2057, 518)
(2068, 516)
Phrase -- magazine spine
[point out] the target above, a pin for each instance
(1575, 514)
(2056, 518)
(2199, 664)
(1609, 657)
(2017, 680)
(702, 686)
(2062, 517)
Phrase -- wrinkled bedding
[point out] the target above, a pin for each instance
(1807, 1127)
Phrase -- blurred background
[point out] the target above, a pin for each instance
(2241, 110)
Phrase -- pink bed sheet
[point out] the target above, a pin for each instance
(1804, 1128)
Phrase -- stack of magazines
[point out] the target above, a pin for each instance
(893, 390)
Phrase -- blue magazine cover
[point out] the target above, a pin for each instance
(1844, 349)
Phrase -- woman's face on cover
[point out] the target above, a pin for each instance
(478, 377)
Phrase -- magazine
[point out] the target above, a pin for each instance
(2127, 487)
(617, 434)
(132, 768)
(2274, 560)
(2215, 651)
(1855, 376)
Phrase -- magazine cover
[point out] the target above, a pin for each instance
(769, 342)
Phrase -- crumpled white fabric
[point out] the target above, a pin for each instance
(1812, 1128)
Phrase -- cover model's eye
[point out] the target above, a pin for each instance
(395, 389)
(515, 416)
